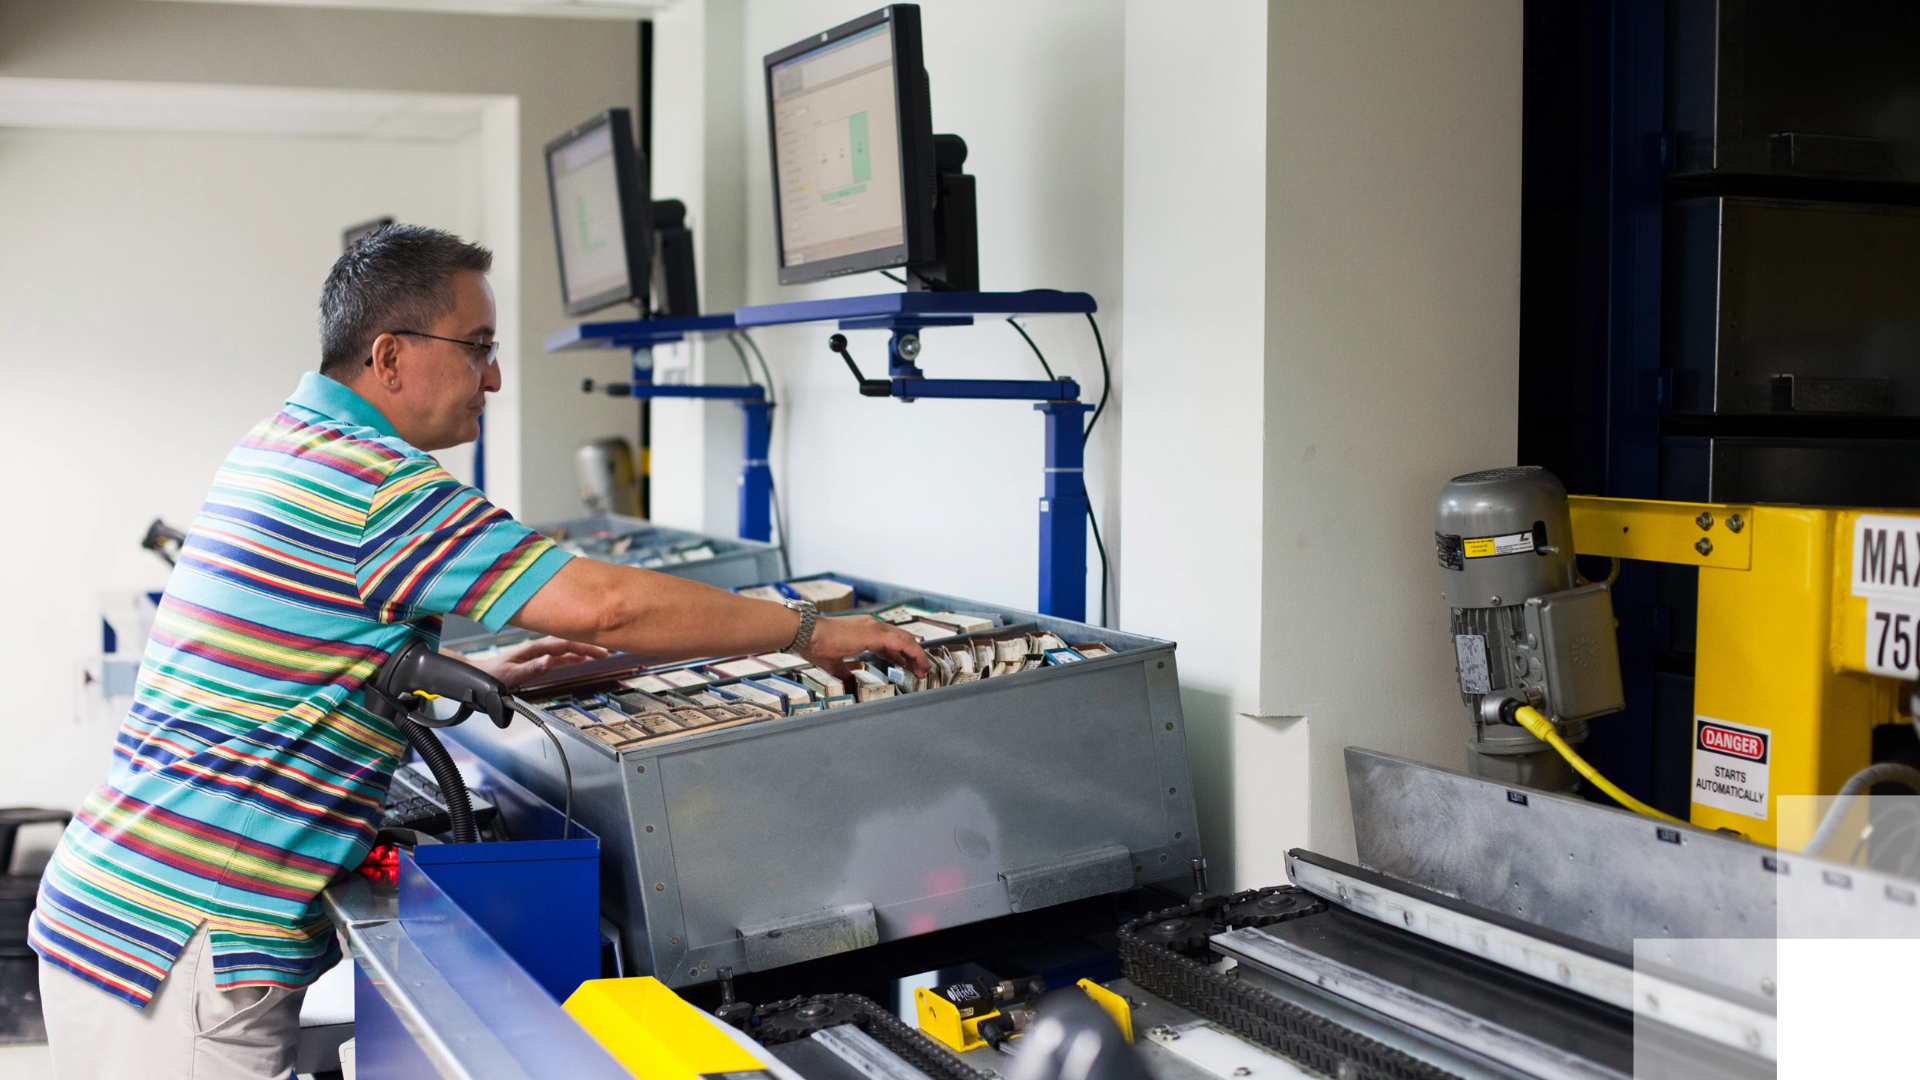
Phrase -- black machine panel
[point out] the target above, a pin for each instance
(1779, 307)
(1761, 87)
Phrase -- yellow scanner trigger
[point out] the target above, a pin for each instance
(1115, 1006)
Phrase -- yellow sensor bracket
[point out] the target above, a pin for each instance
(1113, 1004)
(940, 1019)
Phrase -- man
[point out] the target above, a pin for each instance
(178, 921)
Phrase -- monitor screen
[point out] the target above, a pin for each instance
(592, 173)
(835, 115)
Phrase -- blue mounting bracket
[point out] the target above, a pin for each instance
(640, 336)
(1063, 507)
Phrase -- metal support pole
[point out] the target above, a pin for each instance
(756, 478)
(1063, 514)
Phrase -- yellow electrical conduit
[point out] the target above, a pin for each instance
(1542, 729)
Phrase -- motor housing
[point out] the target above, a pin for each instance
(1525, 625)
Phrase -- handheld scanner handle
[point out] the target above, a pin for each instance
(417, 677)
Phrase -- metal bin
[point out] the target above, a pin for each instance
(781, 841)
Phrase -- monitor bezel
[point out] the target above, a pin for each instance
(913, 120)
(629, 174)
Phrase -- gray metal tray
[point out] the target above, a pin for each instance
(782, 841)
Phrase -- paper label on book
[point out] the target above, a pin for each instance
(781, 661)
(683, 679)
(747, 666)
(1731, 763)
(652, 684)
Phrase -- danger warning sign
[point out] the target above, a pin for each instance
(1730, 765)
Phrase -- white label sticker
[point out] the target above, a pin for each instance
(1470, 652)
(1730, 765)
(1886, 556)
(1892, 625)
(1487, 547)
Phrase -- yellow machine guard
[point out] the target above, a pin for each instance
(1783, 644)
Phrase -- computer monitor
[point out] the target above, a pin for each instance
(597, 184)
(851, 128)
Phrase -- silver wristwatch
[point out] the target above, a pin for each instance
(809, 614)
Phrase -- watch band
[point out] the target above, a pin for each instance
(809, 615)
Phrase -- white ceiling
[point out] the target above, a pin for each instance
(627, 10)
(246, 110)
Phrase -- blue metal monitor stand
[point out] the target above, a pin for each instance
(641, 335)
(1063, 503)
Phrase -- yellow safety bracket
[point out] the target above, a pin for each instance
(1719, 535)
(1115, 1005)
(654, 1032)
(940, 1019)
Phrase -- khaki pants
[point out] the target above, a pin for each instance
(189, 1031)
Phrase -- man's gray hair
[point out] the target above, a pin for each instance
(397, 278)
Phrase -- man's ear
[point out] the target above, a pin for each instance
(385, 369)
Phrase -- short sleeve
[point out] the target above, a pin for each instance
(434, 546)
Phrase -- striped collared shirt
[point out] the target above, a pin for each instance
(249, 771)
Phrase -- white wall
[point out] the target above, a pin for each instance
(157, 296)
(1191, 452)
(559, 71)
(1036, 92)
(1393, 314)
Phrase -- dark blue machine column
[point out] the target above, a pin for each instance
(756, 478)
(1063, 513)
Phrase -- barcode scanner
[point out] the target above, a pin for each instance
(420, 688)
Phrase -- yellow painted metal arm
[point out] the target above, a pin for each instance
(1668, 532)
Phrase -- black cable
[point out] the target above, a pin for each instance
(1106, 378)
(566, 831)
(453, 788)
(1093, 519)
(1018, 329)
(888, 274)
(1106, 387)
(745, 368)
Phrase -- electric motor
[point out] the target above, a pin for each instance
(1525, 626)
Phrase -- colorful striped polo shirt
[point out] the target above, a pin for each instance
(249, 772)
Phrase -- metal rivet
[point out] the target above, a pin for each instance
(1177, 836)
(703, 965)
(1139, 869)
(1766, 985)
(1169, 727)
(659, 888)
(1163, 858)
(1704, 547)
(642, 768)
(1705, 520)
(1162, 663)
(1243, 1071)
(1735, 523)
(673, 941)
(693, 971)
(649, 828)
(1170, 791)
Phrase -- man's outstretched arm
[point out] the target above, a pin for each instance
(639, 611)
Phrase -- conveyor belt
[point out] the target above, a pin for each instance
(798, 1018)
(1248, 1011)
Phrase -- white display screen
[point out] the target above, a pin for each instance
(837, 144)
(586, 199)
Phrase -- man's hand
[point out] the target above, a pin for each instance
(850, 635)
(517, 664)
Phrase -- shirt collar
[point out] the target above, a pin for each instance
(329, 398)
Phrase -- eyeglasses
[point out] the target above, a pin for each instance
(480, 352)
